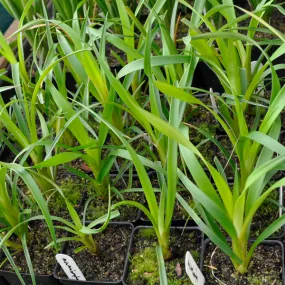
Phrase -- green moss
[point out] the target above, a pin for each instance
(197, 137)
(73, 190)
(195, 254)
(144, 264)
(144, 268)
(147, 233)
(260, 280)
(96, 210)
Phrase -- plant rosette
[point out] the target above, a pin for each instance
(143, 262)
(267, 265)
(267, 214)
(109, 266)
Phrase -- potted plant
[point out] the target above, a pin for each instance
(19, 233)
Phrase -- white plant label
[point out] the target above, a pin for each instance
(70, 267)
(193, 271)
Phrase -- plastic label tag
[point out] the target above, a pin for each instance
(193, 271)
(69, 267)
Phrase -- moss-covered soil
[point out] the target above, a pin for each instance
(99, 207)
(143, 268)
(73, 189)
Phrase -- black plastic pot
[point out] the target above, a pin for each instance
(41, 279)
(148, 227)
(66, 281)
(3, 281)
(12, 278)
(266, 242)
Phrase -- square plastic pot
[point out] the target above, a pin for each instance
(66, 281)
(13, 279)
(148, 227)
(266, 242)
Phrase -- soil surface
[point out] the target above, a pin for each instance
(265, 268)
(43, 260)
(143, 261)
(109, 265)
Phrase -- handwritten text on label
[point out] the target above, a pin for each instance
(193, 271)
(69, 267)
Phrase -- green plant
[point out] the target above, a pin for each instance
(227, 206)
(218, 206)
(232, 209)
(78, 58)
(77, 231)
(22, 133)
(82, 64)
(35, 102)
(15, 213)
(15, 117)
(160, 214)
(241, 80)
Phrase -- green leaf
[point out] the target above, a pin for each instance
(161, 266)
(155, 61)
(59, 159)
